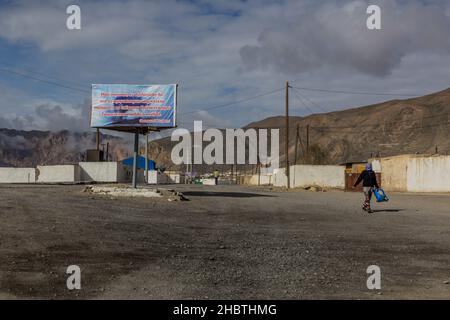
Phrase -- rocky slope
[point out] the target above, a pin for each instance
(30, 148)
(418, 125)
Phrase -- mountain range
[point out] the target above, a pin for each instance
(417, 125)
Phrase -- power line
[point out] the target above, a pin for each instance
(303, 102)
(317, 105)
(43, 80)
(328, 129)
(371, 125)
(391, 122)
(357, 92)
(310, 101)
(28, 70)
(18, 73)
(234, 102)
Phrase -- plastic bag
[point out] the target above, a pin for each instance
(380, 195)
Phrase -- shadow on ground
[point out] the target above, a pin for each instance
(224, 194)
(388, 210)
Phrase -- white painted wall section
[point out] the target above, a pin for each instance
(318, 175)
(58, 174)
(102, 172)
(17, 175)
(155, 177)
(428, 174)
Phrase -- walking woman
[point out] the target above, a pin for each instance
(369, 180)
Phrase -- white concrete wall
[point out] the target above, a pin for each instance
(262, 180)
(376, 165)
(279, 178)
(254, 180)
(60, 173)
(428, 174)
(102, 172)
(17, 175)
(311, 175)
(155, 177)
(209, 182)
(318, 175)
(393, 173)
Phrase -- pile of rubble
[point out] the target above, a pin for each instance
(129, 192)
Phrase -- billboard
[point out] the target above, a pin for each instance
(124, 106)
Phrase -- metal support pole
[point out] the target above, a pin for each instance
(98, 139)
(135, 158)
(146, 156)
(287, 136)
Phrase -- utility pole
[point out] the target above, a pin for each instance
(287, 135)
(296, 143)
(307, 141)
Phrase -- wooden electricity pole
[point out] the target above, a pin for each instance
(307, 142)
(287, 135)
(296, 144)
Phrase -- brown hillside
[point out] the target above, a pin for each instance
(417, 125)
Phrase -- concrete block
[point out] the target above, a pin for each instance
(317, 175)
(17, 175)
(209, 182)
(58, 174)
(156, 177)
(103, 172)
(311, 175)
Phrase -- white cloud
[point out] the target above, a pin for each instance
(250, 47)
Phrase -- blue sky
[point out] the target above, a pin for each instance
(218, 52)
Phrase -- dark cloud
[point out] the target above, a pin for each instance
(335, 35)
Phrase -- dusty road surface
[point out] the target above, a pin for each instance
(227, 242)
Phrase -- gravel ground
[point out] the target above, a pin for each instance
(227, 242)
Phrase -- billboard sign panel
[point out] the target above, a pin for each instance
(123, 106)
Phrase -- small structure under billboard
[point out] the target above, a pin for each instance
(134, 108)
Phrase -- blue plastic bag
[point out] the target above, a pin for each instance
(380, 195)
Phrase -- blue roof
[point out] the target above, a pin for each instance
(140, 163)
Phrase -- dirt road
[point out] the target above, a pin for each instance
(227, 242)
